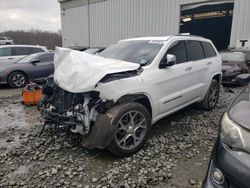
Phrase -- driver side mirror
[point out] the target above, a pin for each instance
(243, 79)
(34, 61)
(167, 61)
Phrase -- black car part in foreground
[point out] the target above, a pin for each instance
(230, 162)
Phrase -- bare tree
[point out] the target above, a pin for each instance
(35, 37)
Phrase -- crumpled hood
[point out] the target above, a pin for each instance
(79, 72)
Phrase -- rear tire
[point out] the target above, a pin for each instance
(17, 79)
(212, 96)
(133, 125)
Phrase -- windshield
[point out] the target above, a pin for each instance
(136, 51)
(27, 58)
(233, 56)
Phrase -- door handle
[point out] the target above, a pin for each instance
(10, 58)
(209, 63)
(188, 68)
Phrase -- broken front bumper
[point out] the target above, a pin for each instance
(99, 136)
(58, 119)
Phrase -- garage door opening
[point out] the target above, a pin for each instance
(211, 20)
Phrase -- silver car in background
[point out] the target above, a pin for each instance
(13, 53)
(6, 41)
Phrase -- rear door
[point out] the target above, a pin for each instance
(18, 52)
(200, 67)
(43, 68)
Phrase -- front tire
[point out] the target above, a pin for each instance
(212, 96)
(17, 80)
(133, 125)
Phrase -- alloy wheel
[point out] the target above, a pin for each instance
(131, 130)
(213, 95)
(18, 80)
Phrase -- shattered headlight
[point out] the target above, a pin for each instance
(234, 135)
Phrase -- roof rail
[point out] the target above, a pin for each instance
(188, 34)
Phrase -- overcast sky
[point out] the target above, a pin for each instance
(29, 14)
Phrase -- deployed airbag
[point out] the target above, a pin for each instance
(79, 72)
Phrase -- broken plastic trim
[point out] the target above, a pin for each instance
(121, 75)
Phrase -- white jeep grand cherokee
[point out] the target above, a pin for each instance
(112, 99)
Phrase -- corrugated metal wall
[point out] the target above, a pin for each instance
(107, 21)
(75, 30)
(241, 21)
(112, 20)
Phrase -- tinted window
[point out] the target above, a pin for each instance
(1, 38)
(19, 51)
(179, 50)
(135, 51)
(46, 58)
(32, 50)
(208, 49)
(194, 50)
(5, 51)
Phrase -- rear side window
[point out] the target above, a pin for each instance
(46, 58)
(32, 50)
(194, 50)
(179, 50)
(19, 51)
(1, 38)
(208, 50)
(5, 52)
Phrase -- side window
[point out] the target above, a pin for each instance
(19, 51)
(208, 49)
(46, 58)
(5, 52)
(179, 50)
(194, 50)
(1, 38)
(32, 50)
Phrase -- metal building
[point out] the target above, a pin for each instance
(102, 22)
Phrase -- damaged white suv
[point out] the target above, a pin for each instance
(112, 99)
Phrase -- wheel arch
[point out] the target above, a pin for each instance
(217, 77)
(17, 71)
(141, 98)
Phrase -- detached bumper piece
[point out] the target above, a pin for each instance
(228, 168)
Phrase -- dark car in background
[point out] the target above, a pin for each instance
(94, 50)
(79, 48)
(233, 64)
(230, 162)
(34, 67)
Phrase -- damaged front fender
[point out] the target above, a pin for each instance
(101, 133)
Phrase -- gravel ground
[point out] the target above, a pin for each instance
(176, 154)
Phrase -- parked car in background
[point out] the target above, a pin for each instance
(10, 54)
(78, 48)
(6, 41)
(233, 64)
(94, 50)
(112, 99)
(230, 161)
(34, 67)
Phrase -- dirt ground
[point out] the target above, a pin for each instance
(175, 156)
